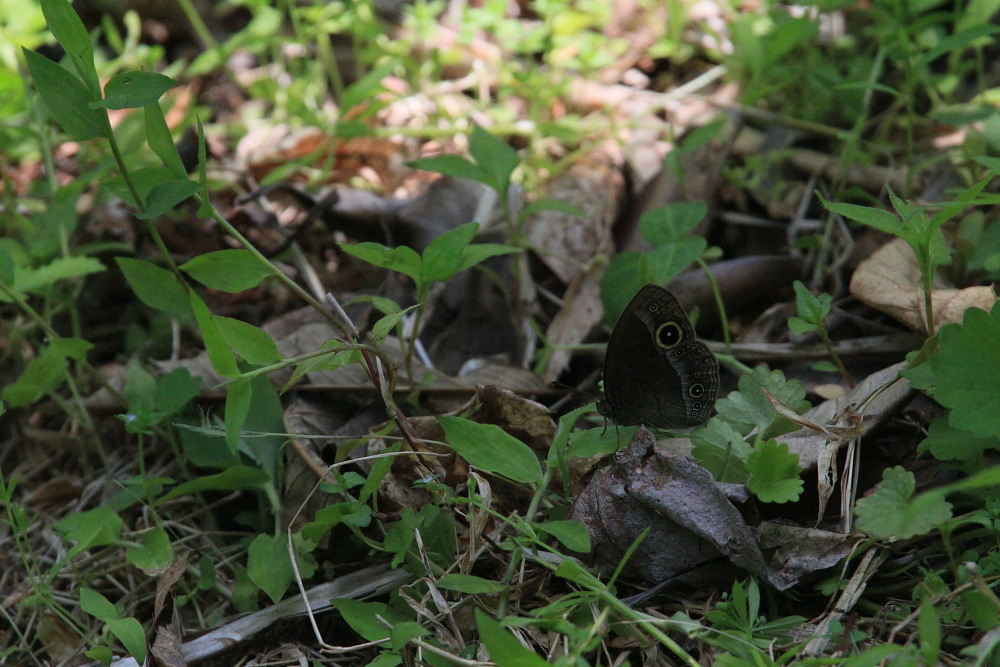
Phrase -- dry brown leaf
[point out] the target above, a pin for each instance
(581, 311)
(890, 281)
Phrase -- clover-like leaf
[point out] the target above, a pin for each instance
(774, 473)
(892, 511)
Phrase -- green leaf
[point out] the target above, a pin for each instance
(504, 649)
(27, 280)
(68, 29)
(361, 616)
(442, 256)
(250, 342)
(966, 366)
(66, 98)
(813, 309)
(44, 373)
(235, 478)
(98, 606)
(269, 566)
(774, 473)
(749, 407)
(478, 252)
(470, 585)
(671, 223)
(496, 158)
(6, 267)
(892, 511)
(134, 90)
(165, 196)
(92, 528)
(348, 512)
(799, 326)
(155, 554)
(162, 142)
(401, 260)
(451, 165)
(238, 398)
(175, 390)
(571, 533)
(721, 449)
(218, 351)
(402, 633)
(130, 633)
(929, 631)
(947, 443)
(546, 204)
(598, 441)
(228, 270)
(490, 448)
(156, 287)
(876, 218)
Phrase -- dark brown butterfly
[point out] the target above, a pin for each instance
(656, 372)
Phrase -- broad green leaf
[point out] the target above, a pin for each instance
(269, 566)
(228, 270)
(351, 513)
(98, 606)
(155, 554)
(813, 309)
(749, 407)
(165, 196)
(155, 286)
(470, 585)
(45, 372)
(132, 636)
(250, 342)
(162, 142)
(66, 98)
(671, 223)
(947, 443)
(402, 633)
(401, 260)
(966, 366)
(892, 511)
(774, 473)
(571, 533)
(595, 441)
(503, 647)
(490, 448)
(361, 616)
(175, 390)
(218, 350)
(443, 255)
(92, 528)
(144, 179)
(134, 90)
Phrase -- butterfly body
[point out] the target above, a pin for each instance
(656, 372)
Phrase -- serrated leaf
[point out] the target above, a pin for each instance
(966, 365)
(133, 90)
(749, 408)
(66, 98)
(155, 286)
(947, 443)
(892, 511)
(721, 449)
(489, 447)
(774, 473)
